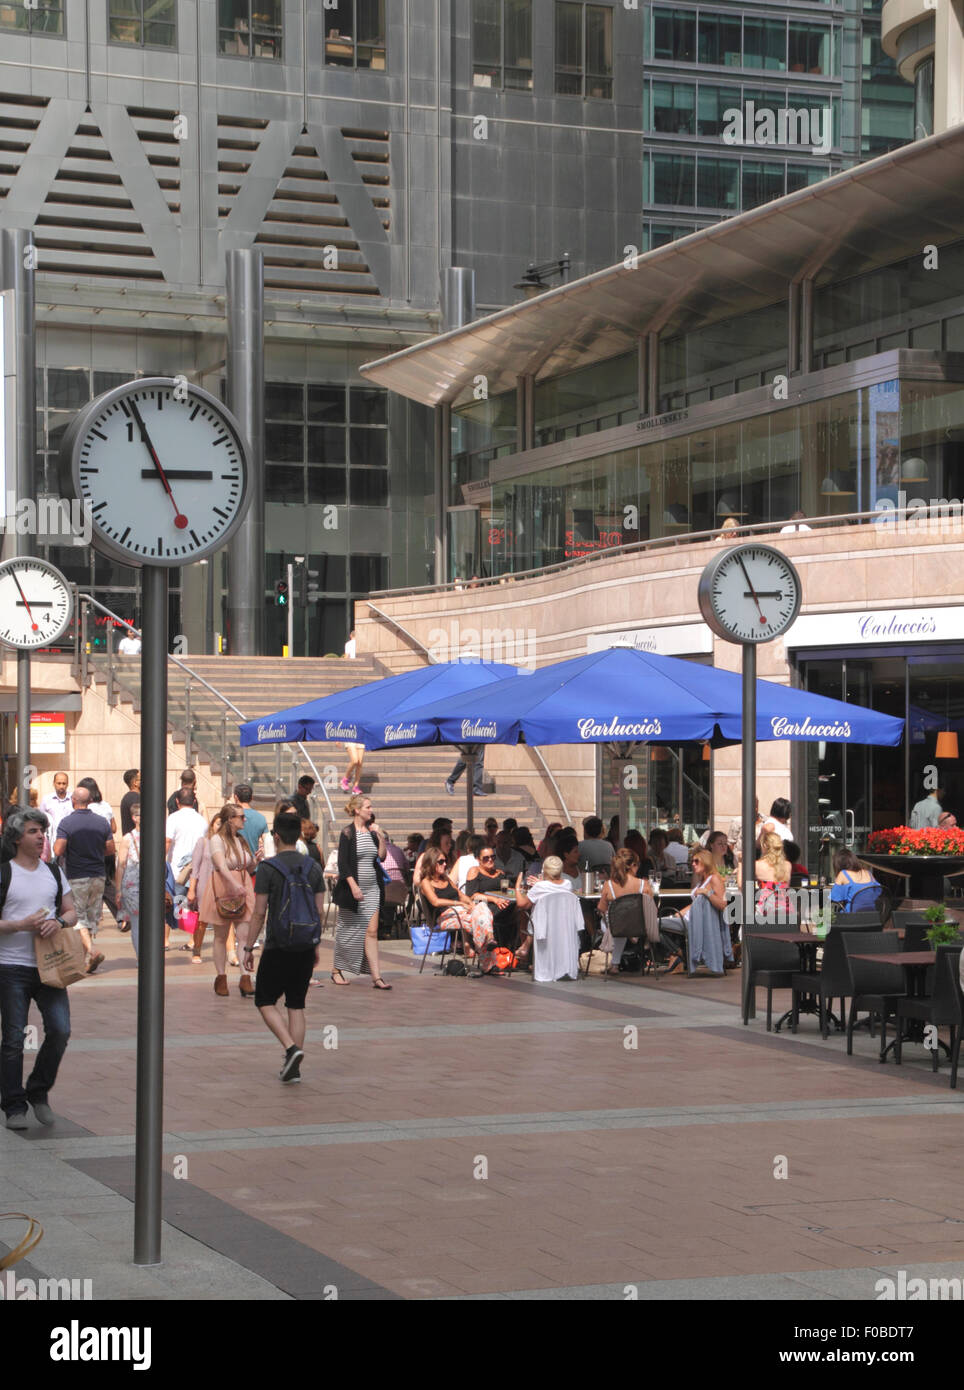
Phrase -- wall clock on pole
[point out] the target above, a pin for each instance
(162, 468)
(36, 604)
(749, 593)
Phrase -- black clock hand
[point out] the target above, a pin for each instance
(33, 626)
(766, 593)
(749, 583)
(180, 520)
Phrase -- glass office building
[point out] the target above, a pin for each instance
(814, 89)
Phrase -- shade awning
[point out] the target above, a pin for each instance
(865, 217)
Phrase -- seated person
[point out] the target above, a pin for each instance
(662, 862)
(636, 842)
(526, 847)
(508, 860)
(676, 849)
(719, 846)
(483, 884)
(851, 879)
(771, 873)
(454, 911)
(567, 849)
(594, 851)
(622, 882)
(707, 933)
(555, 940)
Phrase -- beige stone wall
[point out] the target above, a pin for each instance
(842, 569)
(102, 742)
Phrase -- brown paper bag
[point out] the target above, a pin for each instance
(61, 958)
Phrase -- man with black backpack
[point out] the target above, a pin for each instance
(35, 901)
(290, 890)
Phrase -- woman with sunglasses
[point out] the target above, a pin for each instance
(453, 910)
(484, 885)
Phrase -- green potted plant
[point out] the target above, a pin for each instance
(941, 932)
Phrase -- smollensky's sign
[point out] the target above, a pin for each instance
(681, 639)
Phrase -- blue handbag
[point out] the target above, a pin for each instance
(429, 943)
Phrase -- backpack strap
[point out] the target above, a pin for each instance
(60, 888)
(6, 874)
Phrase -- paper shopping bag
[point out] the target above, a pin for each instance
(61, 958)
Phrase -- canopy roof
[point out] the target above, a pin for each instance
(868, 216)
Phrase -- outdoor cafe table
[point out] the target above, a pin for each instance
(807, 943)
(915, 964)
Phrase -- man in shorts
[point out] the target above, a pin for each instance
(280, 971)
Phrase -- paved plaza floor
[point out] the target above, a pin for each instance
(491, 1139)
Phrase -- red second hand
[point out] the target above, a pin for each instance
(180, 520)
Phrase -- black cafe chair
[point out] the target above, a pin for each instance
(769, 964)
(941, 1008)
(831, 981)
(630, 916)
(875, 987)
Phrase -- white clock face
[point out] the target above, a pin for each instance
(751, 593)
(162, 469)
(35, 604)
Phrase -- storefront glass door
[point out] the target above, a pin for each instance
(853, 790)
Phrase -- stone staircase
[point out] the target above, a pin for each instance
(406, 785)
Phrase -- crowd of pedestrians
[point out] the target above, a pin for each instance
(259, 890)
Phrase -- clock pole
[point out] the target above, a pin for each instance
(17, 274)
(150, 966)
(748, 753)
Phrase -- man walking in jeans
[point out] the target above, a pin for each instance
(285, 971)
(29, 910)
(85, 838)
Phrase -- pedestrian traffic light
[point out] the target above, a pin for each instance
(281, 593)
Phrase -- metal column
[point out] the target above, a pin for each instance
(17, 258)
(149, 1116)
(652, 373)
(793, 327)
(244, 284)
(806, 326)
(749, 801)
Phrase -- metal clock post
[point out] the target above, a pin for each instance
(749, 594)
(162, 467)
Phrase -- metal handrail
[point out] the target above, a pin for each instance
(392, 622)
(654, 543)
(88, 599)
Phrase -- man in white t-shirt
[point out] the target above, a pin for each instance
(182, 831)
(57, 804)
(29, 909)
(675, 849)
(129, 644)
